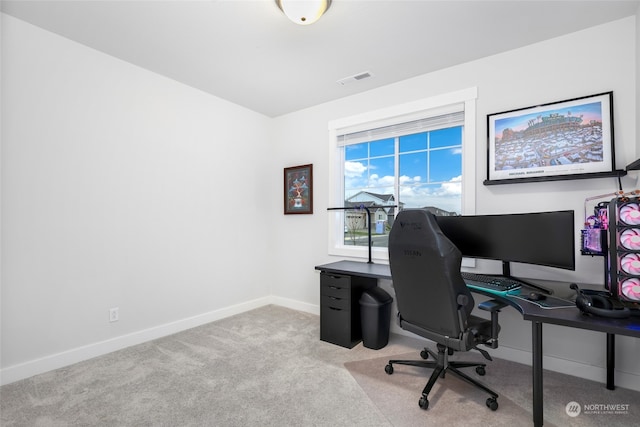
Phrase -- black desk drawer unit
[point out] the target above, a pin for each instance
(340, 308)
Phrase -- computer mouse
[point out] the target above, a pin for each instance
(535, 296)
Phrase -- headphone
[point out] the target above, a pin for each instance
(598, 305)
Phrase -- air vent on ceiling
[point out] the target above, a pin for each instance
(355, 78)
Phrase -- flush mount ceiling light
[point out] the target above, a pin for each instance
(304, 12)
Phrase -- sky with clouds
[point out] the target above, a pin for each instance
(430, 168)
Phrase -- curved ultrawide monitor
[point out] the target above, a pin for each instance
(540, 238)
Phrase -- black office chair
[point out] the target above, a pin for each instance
(434, 302)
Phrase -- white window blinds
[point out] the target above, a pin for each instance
(377, 132)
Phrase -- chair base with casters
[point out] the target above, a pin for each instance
(440, 366)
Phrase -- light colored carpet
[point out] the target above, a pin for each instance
(453, 401)
(267, 367)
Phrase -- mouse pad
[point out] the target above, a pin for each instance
(548, 302)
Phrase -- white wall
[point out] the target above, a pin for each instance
(115, 193)
(120, 188)
(596, 60)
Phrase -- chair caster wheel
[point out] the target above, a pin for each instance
(423, 402)
(492, 403)
(424, 354)
(480, 370)
(388, 369)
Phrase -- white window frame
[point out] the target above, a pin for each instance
(429, 107)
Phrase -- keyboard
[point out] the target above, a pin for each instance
(494, 284)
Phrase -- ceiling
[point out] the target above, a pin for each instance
(249, 53)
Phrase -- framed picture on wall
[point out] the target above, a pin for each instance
(298, 190)
(568, 139)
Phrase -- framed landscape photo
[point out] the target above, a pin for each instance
(568, 139)
(298, 190)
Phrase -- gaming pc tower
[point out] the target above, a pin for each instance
(622, 259)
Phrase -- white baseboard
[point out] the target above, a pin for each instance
(34, 367)
(627, 380)
(296, 305)
(55, 361)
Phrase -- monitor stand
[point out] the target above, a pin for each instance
(506, 272)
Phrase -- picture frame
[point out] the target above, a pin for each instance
(298, 189)
(570, 139)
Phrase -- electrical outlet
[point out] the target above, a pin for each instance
(114, 314)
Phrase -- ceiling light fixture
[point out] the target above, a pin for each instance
(304, 12)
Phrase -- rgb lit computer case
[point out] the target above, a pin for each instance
(623, 257)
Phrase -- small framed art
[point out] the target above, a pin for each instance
(298, 190)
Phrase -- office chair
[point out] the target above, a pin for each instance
(434, 302)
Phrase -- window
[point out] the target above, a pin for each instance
(418, 155)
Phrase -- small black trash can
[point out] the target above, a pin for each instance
(375, 316)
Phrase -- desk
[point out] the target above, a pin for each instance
(570, 317)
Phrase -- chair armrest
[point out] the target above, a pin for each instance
(494, 307)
